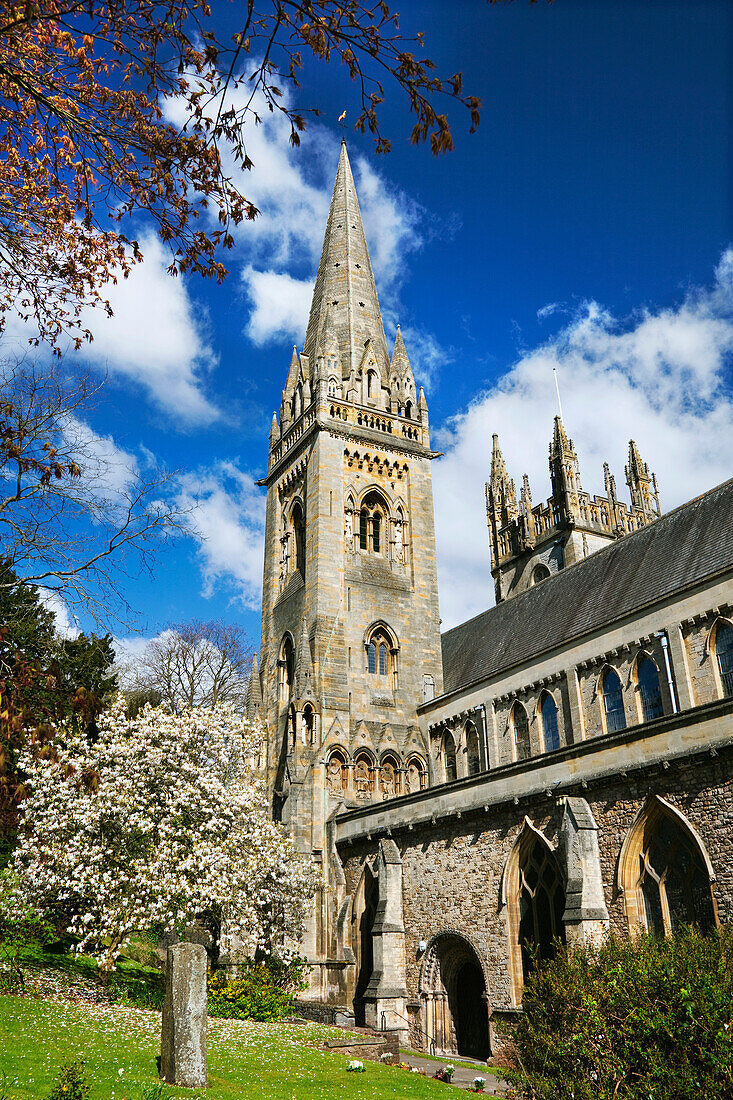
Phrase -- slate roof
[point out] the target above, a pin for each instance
(683, 548)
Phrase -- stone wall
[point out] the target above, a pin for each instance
(455, 862)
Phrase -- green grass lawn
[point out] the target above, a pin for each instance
(277, 1061)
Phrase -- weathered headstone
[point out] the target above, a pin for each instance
(183, 1045)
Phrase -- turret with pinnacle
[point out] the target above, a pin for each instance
(530, 543)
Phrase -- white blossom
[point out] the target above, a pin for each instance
(178, 825)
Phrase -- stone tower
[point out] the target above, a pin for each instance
(350, 622)
(530, 543)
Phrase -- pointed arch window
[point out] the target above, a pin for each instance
(520, 728)
(473, 755)
(332, 387)
(724, 656)
(372, 517)
(665, 876)
(541, 904)
(408, 410)
(550, 730)
(298, 525)
(286, 667)
(380, 654)
(650, 693)
(613, 701)
(449, 757)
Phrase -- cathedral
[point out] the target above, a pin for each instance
(556, 767)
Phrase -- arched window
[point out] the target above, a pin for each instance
(541, 903)
(408, 410)
(379, 653)
(550, 731)
(540, 573)
(373, 513)
(371, 384)
(332, 387)
(363, 776)
(309, 718)
(473, 756)
(286, 667)
(520, 727)
(376, 525)
(650, 694)
(613, 702)
(298, 524)
(449, 757)
(664, 874)
(724, 656)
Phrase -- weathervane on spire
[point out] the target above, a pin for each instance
(342, 123)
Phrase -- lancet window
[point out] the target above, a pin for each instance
(724, 656)
(372, 517)
(286, 668)
(520, 728)
(473, 756)
(550, 730)
(379, 653)
(297, 524)
(650, 693)
(449, 757)
(613, 701)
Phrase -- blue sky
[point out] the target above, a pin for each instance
(586, 226)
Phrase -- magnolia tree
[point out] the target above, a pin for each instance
(163, 818)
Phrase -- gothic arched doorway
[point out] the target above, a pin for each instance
(365, 909)
(454, 996)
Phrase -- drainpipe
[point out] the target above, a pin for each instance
(486, 737)
(664, 639)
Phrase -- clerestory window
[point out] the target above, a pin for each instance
(613, 702)
(724, 656)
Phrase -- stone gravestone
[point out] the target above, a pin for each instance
(183, 1045)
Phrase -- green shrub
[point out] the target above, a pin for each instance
(71, 1083)
(643, 1020)
(261, 991)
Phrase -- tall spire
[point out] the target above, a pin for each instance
(345, 281)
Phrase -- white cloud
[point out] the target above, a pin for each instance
(65, 622)
(107, 469)
(660, 377)
(155, 338)
(280, 305)
(227, 520)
